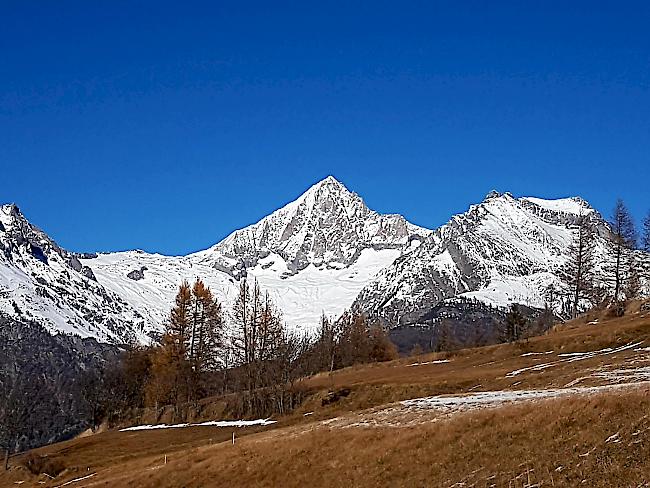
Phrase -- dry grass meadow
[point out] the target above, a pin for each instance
(583, 436)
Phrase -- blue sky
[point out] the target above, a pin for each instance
(164, 126)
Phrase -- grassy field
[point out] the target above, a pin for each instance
(594, 431)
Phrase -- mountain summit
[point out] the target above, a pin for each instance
(324, 252)
(502, 250)
(328, 225)
(41, 282)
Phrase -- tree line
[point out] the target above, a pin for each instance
(246, 354)
(620, 279)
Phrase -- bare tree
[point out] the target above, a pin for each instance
(579, 267)
(326, 344)
(257, 334)
(623, 242)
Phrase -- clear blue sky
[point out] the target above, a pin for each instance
(165, 126)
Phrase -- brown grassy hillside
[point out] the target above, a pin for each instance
(580, 437)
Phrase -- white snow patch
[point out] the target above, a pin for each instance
(212, 423)
(438, 361)
(565, 205)
(574, 356)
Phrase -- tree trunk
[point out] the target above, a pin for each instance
(6, 459)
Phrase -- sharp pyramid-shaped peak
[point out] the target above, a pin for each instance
(327, 225)
(328, 188)
(331, 181)
(8, 213)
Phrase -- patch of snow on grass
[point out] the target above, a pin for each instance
(212, 423)
(438, 361)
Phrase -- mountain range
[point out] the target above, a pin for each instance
(324, 252)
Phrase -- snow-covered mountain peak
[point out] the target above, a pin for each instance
(9, 212)
(328, 225)
(571, 205)
(43, 282)
(500, 250)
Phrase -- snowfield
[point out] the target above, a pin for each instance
(302, 297)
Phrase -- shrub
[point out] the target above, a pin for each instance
(42, 464)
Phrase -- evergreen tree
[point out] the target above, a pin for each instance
(444, 336)
(623, 241)
(515, 323)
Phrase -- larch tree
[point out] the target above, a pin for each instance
(190, 346)
(206, 329)
(179, 321)
(633, 286)
(623, 241)
(579, 268)
(354, 343)
(168, 374)
(257, 331)
(326, 344)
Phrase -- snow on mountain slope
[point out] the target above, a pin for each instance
(500, 251)
(313, 255)
(154, 286)
(302, 297)
(327, 226)
(324, 252)
(40, 281)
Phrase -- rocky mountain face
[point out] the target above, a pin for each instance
(322, 253)
(42, 282)
(503, 250)
(313, 256)
(327, 226)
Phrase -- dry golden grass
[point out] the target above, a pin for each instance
(552, 443)
(558, 442)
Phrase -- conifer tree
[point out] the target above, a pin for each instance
(169, 374)
(623, 241)
(179, 321)
(326, 345)
(514, 324)
(190, 346)
(205, 339)
(381, 347)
